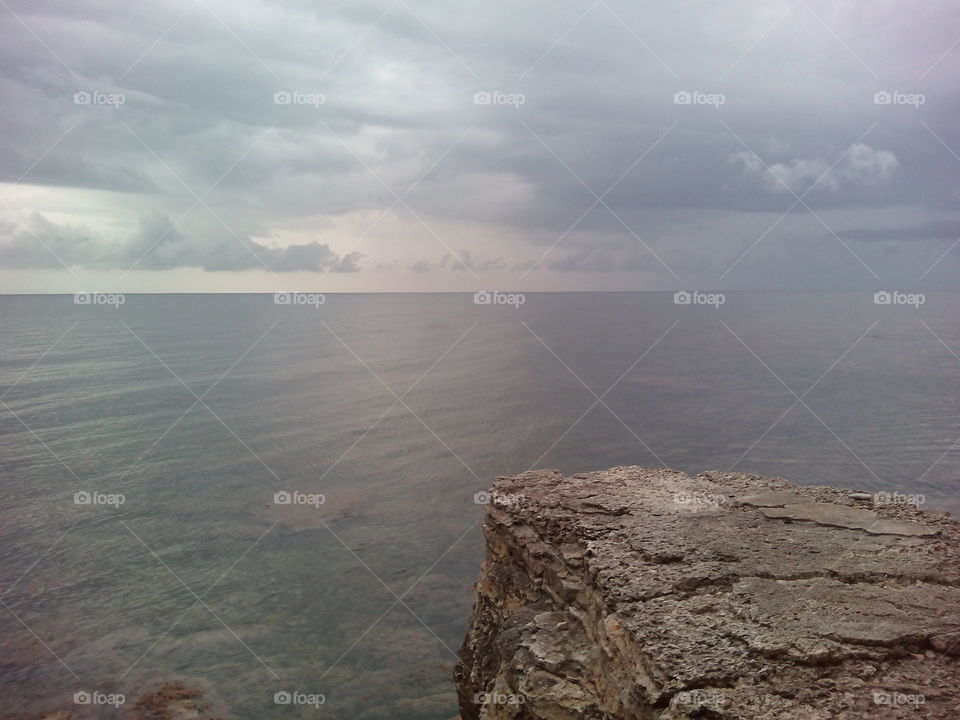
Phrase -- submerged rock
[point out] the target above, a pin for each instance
(647, 594)
(173, 700)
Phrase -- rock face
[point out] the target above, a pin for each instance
(634, 593)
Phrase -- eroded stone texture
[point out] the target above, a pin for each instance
(647, 594)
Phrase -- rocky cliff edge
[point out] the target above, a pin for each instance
(637, 593)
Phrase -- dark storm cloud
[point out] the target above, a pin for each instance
(678, 119)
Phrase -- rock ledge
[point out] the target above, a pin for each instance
(646, 594)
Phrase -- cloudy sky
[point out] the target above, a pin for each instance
(362, 145)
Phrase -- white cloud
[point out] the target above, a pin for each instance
(862, 165)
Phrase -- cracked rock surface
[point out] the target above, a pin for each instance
(647, 594)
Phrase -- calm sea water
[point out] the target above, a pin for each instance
(199, 575)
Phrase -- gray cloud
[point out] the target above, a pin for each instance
(939, 230)
(465, 261)
(199, 119)
(158, 245)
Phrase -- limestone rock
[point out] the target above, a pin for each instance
(637, 593)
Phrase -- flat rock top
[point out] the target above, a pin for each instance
(726, 578)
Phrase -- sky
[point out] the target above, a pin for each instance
(420, 145)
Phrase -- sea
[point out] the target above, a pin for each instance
(278, 500)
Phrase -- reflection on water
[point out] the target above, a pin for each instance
(198, 409)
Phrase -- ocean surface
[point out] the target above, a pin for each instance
(397, 409)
